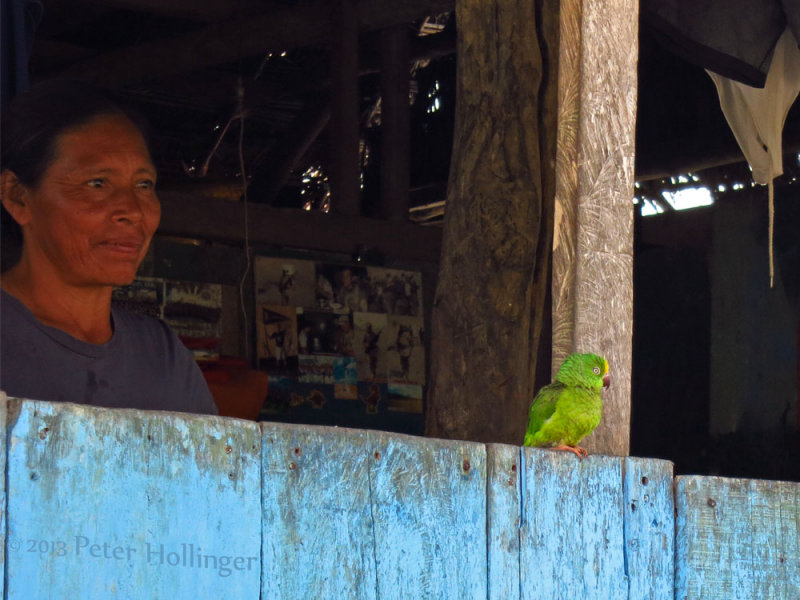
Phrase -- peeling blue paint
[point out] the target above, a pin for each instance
(130, 504)
(103, 503)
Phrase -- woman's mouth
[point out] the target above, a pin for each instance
(123, 246)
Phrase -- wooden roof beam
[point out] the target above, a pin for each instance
(207, 10)
(193, 216)
(218, 44)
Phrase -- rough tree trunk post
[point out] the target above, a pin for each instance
(489, 301)
(593, 239)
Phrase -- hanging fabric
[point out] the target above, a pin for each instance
(757, 115)
(734, 38)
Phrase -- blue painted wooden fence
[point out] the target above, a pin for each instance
(129, 504)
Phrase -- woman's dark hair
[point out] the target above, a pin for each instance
(33, 121)
(31, 125)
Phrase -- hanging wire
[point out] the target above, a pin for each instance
(241, 114)
(771, 229)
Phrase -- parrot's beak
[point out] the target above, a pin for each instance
(606, 381)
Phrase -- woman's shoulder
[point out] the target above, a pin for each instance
(151, 340)
(129, 318)
(136, 328)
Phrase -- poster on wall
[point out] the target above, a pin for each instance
(342, 344)
(284, 282)
(144, 295)
(191, 309)
(276, 327)
(371, 348)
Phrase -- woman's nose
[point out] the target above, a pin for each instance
(128, 206)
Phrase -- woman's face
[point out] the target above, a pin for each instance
(92, 216)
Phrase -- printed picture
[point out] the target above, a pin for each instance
(345, 380)
(371, 343)
(316, 369)
(284, 282)
(286, 394)
(343, 344)
(404, 398)
(277, 338)
(406, 353)
(342, 289)
(395, 292)
(193, 309)
(325, 333)
(144, 296)
(372, 396)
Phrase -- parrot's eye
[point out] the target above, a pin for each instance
(596, 370)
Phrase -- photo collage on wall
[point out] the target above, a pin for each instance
(191, 309)
(343, 340)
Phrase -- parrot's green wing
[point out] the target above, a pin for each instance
(570, 408)
(563, 415)
(542, 408)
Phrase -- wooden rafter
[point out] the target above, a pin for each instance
(221, 43)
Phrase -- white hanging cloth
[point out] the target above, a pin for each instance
(757, 115)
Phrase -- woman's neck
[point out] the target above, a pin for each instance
(84, 312)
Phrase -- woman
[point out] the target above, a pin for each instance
(78, 179)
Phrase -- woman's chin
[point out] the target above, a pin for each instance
(115, 277)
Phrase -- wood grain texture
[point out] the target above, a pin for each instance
(93, 494)
(186, 215)
(571, 537)
(429, 507)
(483, 346)
(318, 539)
(503, 515)
(737, 539)
(355, 514)
(131, 504)
(649, 513)
(593, 232)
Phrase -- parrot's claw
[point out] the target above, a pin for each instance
(576, 450)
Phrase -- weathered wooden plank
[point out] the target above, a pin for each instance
(317, 517)
(593, 234)
(503, 513)
(429, 510)
(649, 513)
(737, 539)
(571, 537)
(3, 424)
(131, 504)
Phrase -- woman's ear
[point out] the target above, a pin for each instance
(15, 197)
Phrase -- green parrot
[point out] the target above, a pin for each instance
(567, 410)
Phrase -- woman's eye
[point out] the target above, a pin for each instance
(96, 183)
(146, 184)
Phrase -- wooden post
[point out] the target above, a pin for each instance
(593, 237)
(487, 313)
(395, 128)
(343, 143)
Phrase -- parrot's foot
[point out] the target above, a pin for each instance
(576, 450)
